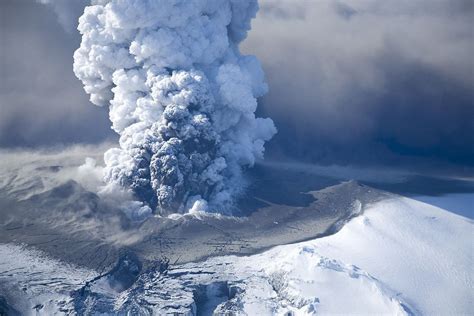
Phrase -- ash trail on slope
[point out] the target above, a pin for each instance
(181, 96)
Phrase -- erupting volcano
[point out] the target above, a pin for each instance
(181, 96)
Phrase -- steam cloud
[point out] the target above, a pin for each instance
(181, 96)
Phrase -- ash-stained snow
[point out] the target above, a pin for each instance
(45, 281)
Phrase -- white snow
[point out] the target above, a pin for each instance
(400, 257)
(420, 251)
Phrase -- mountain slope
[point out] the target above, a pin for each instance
(399, 256)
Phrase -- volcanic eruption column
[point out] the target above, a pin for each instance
(180, 95)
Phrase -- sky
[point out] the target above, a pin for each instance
(360, 82)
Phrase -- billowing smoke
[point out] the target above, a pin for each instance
(181, 96)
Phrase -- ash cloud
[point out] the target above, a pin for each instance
(351, 82)
(369, 82)
(180, 95)
(42, 103)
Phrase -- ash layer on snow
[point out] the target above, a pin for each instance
(119, 257)
(71, 223)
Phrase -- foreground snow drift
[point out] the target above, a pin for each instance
(401, 256)
(422, 252)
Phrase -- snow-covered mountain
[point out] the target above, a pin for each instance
(305, 244)
(400, 257)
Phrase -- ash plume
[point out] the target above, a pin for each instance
(181, 97)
